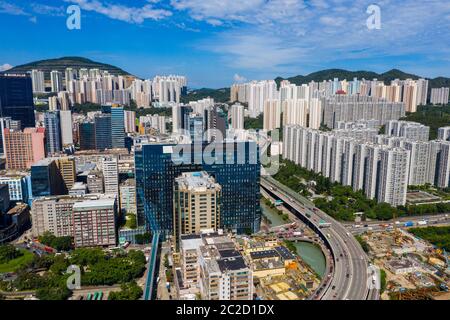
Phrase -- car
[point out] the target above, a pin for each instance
(347, 275)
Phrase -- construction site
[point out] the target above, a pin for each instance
(413, 269)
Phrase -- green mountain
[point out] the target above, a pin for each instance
(61, 64)
(341, 74)
(219, 95)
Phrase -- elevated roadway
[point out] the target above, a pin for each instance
(348, 278)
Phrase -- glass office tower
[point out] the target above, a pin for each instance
(236, 169)
(46, 179)
(86, 133)
(52, 132)
(103, 139)
(16, 98)
(117, 127)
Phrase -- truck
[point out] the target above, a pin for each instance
(324, 224)
(422, 223)
(408, 224)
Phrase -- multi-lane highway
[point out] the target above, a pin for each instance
(349, 275)
(417, 221)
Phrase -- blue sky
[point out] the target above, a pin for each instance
(218, 42)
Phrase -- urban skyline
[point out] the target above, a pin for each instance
(134, 186)
(218, 43)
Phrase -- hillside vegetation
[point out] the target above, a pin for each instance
(61, 64)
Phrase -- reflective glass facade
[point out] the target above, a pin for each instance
(87, 136)
(52, 132)
(16, 99)
(103, 138)
(236, 169)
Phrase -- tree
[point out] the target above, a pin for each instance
(59, 243)
(143, 238)
(8, 253)
(129, 291)
(384, 211)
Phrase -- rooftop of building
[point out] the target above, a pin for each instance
(6, 174)
(18, 208)
(128, 183)
(106, 203)
(79, 186)
(196, 181)
(232, 264)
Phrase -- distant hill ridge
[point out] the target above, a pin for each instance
(342, 74)
(222, 95)
(60, 64)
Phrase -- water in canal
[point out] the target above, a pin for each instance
(275, 219)
(312, 255)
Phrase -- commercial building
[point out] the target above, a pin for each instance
(196, 204)
(212, 264)
(52, 132)
(22, 149)
(18, 185)
(87, 135)
(103, 138)
(128, 197)
(54, 215)
(46, 179)
(111, 175)
(117, 127)
(66, 124)
(236, 168)
(16, 98)
(94, 223)
(95, 182)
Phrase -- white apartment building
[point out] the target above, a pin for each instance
(272, 114)
(237, 116)
(439, 96)
(38, 81)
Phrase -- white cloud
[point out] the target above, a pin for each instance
(5, 67)
(123, 13)
(293, 35)
(44, 9)
(215, 10)
(332, 21)
(12, 9)
(255, 52)
(238, 78)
